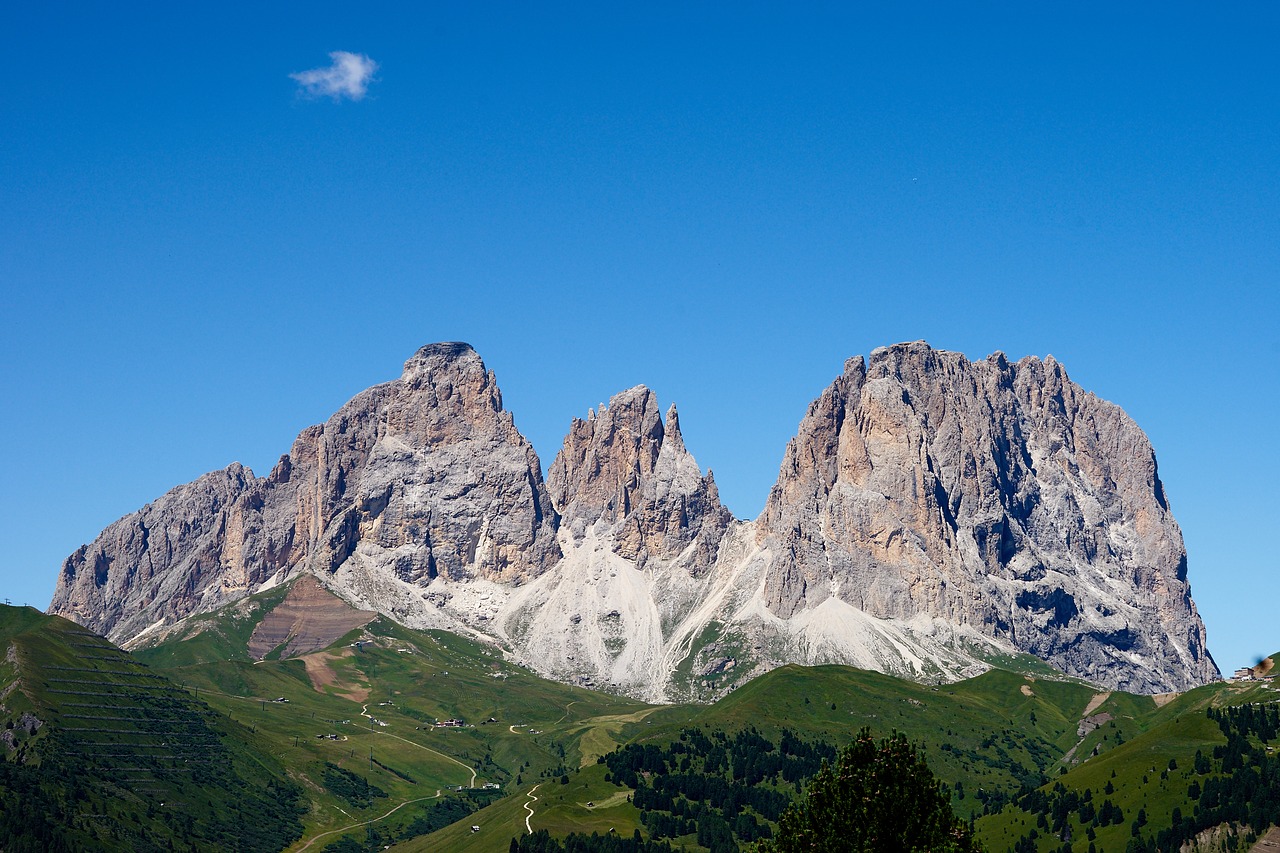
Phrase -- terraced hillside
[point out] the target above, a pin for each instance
(104, 754)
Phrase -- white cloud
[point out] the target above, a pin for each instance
(348, 77)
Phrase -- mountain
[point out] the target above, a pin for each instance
(931, 514)
(414, 480)
(997, 497)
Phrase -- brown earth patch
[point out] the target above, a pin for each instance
(1269, 843)
(308, 619)
(1162, 699)
(322, 675)
(1095, 703)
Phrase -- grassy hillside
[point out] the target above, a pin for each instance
(988, 737)
(369, 704)
(101, 753)
(1155, 779)
(362, 728)
(994, 739)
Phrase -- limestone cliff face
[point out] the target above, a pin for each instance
(991, 495)
(929, 512)
(625, 468)
(166, 558)
(430, 475)
(641, 529)
(425, 477)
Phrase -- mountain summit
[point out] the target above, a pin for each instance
(996, 497)
(931, 513)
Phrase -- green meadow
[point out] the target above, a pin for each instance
(425, 740)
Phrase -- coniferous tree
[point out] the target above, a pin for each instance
(878, 797)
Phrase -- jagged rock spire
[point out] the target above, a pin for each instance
(626, 469)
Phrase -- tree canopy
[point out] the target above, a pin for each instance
(878, 797)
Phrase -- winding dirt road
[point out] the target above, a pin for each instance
(364, 712)
(528, 806)
(365, 822)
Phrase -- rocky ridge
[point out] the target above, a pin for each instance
(930, 512)
(421, 478)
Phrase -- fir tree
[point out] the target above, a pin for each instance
(878, 797)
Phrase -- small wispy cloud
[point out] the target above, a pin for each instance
(348, 77)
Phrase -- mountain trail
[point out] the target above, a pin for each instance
(528, 806)
(364, 712)
(365, 822)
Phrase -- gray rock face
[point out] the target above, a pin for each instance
(929, 511)
(624, 467)
(430, 473)
(994, 496)
(641, 528)
(166, 558)
(427, 475)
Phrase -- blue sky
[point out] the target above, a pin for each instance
(199, 258)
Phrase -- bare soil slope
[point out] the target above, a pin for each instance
(1269, 843)
(307, 620)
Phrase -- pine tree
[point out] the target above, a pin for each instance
(879, 797)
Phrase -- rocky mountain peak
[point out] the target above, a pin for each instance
(441, 367)
(444, 351)
(672, 428)
(993, 496)
(422, 477)
(626, 469)
(597, 473)
(446, 393)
